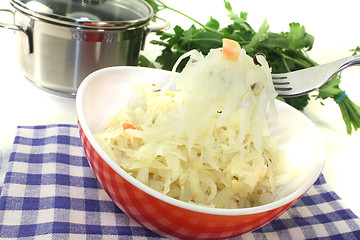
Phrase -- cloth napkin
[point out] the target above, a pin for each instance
(50, 192)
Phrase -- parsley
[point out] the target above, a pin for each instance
(330, 89)
(284, 51)
(356, 50)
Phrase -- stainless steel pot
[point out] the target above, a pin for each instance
(60, 42)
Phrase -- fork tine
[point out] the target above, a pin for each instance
(280, 83)
(282, 89)
(278, 76)
(279, 79)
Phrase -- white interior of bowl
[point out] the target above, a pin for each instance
(103, 92)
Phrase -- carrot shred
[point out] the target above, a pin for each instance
(128, 126)
(231, 49)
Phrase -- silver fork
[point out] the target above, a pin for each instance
(303, 81)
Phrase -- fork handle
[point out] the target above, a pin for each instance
(350, 61)
(343, 63)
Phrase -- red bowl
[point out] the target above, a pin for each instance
(99, 97)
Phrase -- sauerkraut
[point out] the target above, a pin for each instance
(206, 142)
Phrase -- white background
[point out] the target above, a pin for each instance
(334, 24)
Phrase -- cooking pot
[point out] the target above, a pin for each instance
(60, 42)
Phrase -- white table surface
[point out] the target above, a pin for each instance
(335, 26)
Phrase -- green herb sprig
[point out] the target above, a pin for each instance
(285, 52)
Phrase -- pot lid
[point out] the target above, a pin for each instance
(89, 13)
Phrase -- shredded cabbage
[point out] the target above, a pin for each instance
(207, 142)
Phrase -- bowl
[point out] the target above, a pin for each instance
(100, 96)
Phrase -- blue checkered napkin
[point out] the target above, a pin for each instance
(50, 192)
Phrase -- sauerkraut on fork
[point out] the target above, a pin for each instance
(207, 141)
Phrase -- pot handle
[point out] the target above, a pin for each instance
(162, 27)
(18, 28)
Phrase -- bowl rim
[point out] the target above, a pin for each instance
(172, 201)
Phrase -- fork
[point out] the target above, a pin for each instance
(303, 81)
